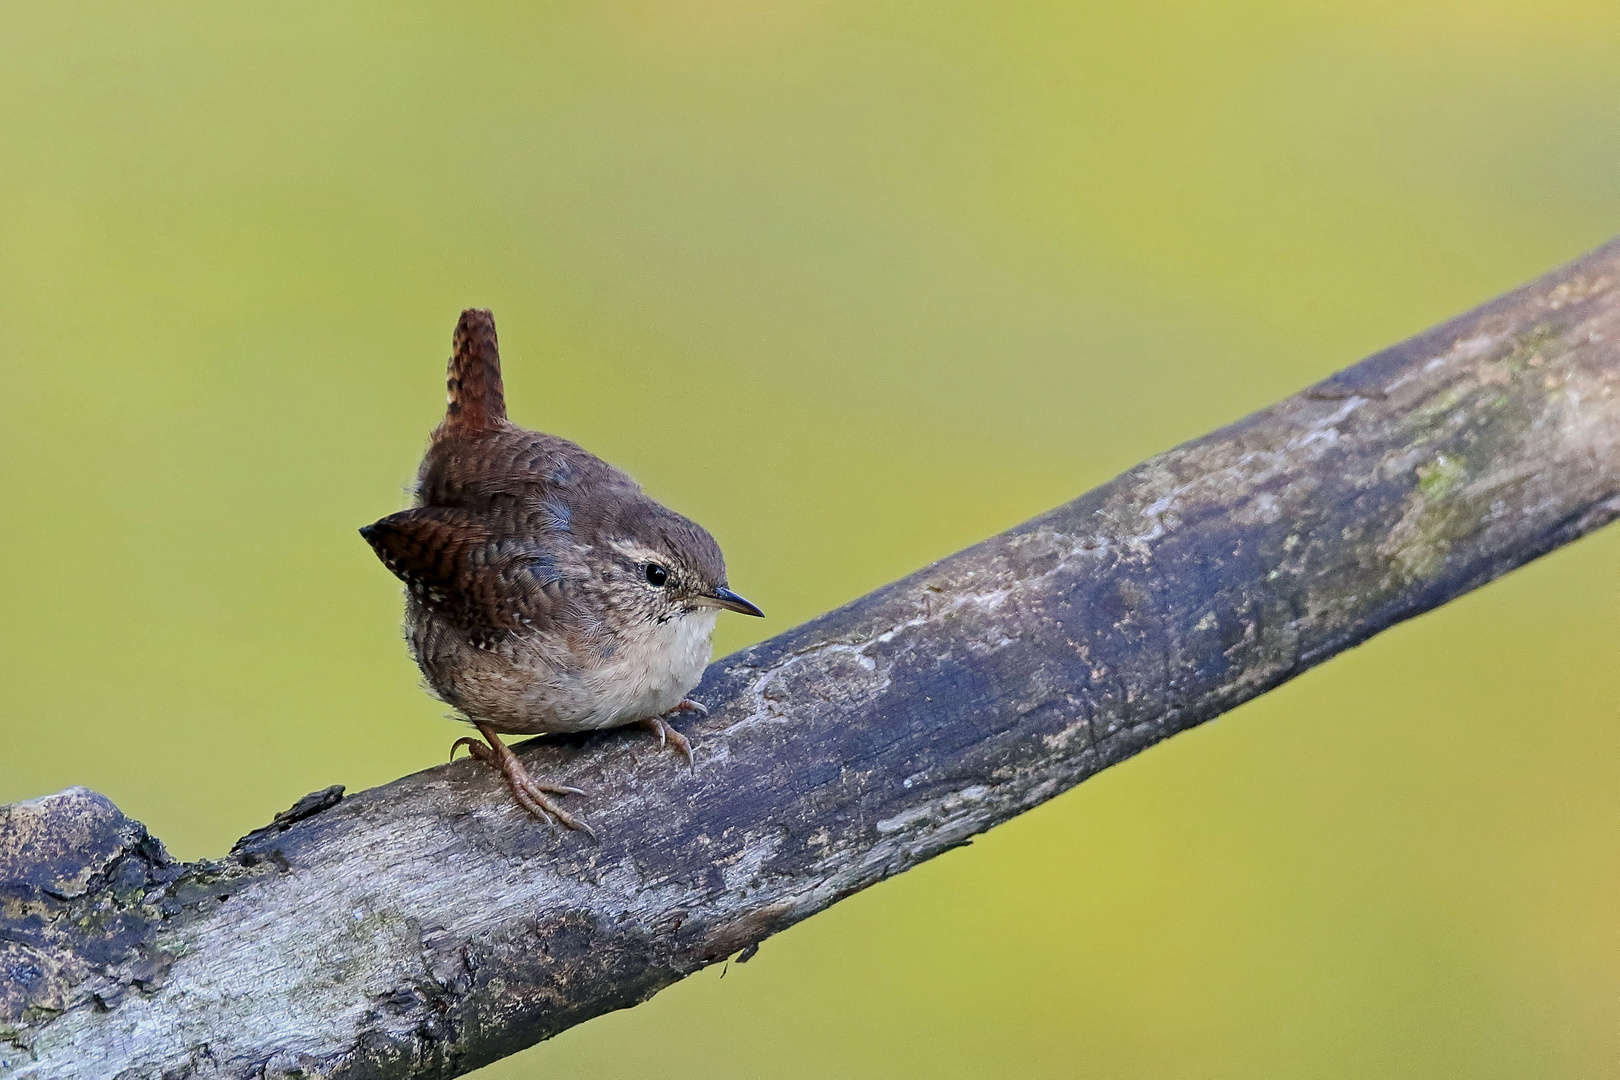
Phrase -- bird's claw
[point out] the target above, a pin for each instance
(475, 747)
(668, 735)
(529, 793)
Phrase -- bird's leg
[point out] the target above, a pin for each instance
(529, 792)
(665, 731)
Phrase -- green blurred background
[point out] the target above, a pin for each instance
(854, 284)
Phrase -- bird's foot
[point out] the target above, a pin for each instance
(531, 794)
(666, 732)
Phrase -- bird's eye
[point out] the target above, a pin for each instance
(656, 575)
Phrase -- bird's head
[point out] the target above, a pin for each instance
(665, 566)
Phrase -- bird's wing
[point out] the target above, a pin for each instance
(496, 469)
(485, 581)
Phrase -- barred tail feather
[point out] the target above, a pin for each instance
(476, 401)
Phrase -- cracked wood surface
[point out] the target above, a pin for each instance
(427, 927)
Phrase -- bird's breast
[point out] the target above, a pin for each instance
(540, 683)
(650, 670)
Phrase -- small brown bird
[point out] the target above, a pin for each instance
(545, 592)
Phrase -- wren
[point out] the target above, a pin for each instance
(545, 591)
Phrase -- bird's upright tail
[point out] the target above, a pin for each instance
(476, 402)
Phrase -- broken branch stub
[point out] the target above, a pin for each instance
(428, 927)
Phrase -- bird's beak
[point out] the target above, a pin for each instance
(725, 598)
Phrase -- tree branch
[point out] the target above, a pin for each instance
(428, 927)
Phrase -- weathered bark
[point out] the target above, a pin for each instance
(429, 927)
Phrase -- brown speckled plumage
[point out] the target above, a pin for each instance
(530, 568)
